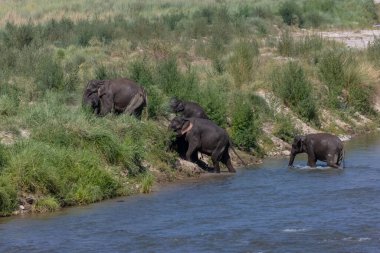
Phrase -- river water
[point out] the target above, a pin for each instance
(266, 208)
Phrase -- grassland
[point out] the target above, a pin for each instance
(222, 54)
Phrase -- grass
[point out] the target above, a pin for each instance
(208, 51)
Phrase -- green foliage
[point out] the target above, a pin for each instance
(309, 45)
(284, 128)
(245, 126)
(241, 63)
(373, 51)
(8, 196)
(292, 86)
(213, 99)
(147, 181)
(291, 13)
(47, 204)
(339, 71)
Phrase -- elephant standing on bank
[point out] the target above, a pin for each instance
(206, 137)
(187, 109)
(117, 95)
(321, 146)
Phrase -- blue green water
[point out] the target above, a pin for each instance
(265, 208)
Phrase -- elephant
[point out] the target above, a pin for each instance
(121, 96)
(90, 95)
(320, 146)
(187, 109)
(204, 136)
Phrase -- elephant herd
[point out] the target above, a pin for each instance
(193, 129)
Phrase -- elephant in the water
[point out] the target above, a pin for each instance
(321, 146)
(187, 109)
(90, 95)
(122, 95)
(206, 137)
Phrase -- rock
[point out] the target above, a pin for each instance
(21, 207)
(188, 167)
(285, 152)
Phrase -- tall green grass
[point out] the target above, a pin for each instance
(207, 52)
(292, 86)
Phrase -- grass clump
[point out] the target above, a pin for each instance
(8, 195)
(339, 71)
(292, 86)
(245, 128)
(242, 61)
(284, 128)
(47, 204)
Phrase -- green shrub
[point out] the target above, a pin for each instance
(8, 196)
(213, 99)
(373, 51)
(147, 181)
(292, 86)
(47, 204)
(291, 13)
(18, 36)
(62, 172)
(241, 63)
(339, 71)
(245, 126)
(285, 129)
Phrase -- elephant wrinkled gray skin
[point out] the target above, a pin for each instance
(321, 146)
(122, 95)
(90, 95)
(187, 109)
(206, 137)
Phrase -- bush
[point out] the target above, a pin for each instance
(339, 71)
(47, 204)
(291, 85)
(213, 99)
(241, 63)
(285, 129)
(291, 13)
(245, 126)
(8, 196)
(373, 51)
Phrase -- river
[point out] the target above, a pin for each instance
(265, 208)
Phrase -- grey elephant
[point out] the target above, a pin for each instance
(321, 146)
(204, 136)
(121, 96)
(187, 109)
(90, 95)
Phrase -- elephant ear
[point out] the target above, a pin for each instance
(299, 140)
(186, 127)
(101, 91)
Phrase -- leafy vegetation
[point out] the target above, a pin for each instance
(210, 52)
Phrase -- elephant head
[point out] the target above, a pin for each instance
(90, 95)
(176, 105)
(180, 125)
(298, 146)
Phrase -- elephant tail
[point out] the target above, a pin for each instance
(233, 149)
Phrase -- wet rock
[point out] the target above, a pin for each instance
(188, 167)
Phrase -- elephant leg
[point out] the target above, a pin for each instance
(106, 104)
(191, 149)
(226, 160)
(332, 161)
(215, 162)
(311, 161)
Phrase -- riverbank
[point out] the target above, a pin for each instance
(242, 61)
